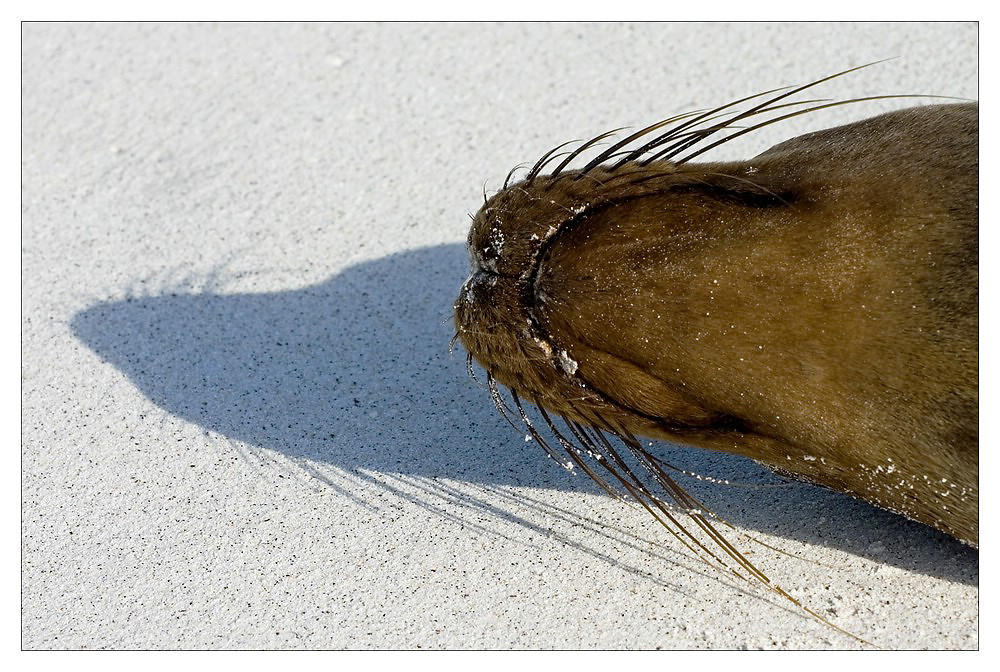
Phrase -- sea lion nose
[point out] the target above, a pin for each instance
(473, 286)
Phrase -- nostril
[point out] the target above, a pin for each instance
(484, 276)
(476, 282)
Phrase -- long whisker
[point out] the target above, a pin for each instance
(468, 367)
(533, 173)
(584, 147)
(686, 500)
(790, 92)
(710, 114)
(535, 434)
(737, 134)
(506, 182)
(681, 141)
(638, 134)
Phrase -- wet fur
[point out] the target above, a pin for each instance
(814, 308)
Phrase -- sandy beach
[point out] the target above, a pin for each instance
(241, 423)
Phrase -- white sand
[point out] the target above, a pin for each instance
(241, 424)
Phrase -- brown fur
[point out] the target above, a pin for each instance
(814, 308)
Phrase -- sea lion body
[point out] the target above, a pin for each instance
(814, 308)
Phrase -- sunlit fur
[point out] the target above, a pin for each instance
(814, 308)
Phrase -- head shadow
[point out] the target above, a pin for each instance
(355, 372)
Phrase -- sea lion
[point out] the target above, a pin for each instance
(814, 308)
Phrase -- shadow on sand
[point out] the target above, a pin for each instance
(354, 372)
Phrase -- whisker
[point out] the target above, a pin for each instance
(788, 92)
(597, 160)
(539, 439)
(737, 134)
(582, 148)
(533, 173)
(506, 182)
(696, 135)
(710, 114)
